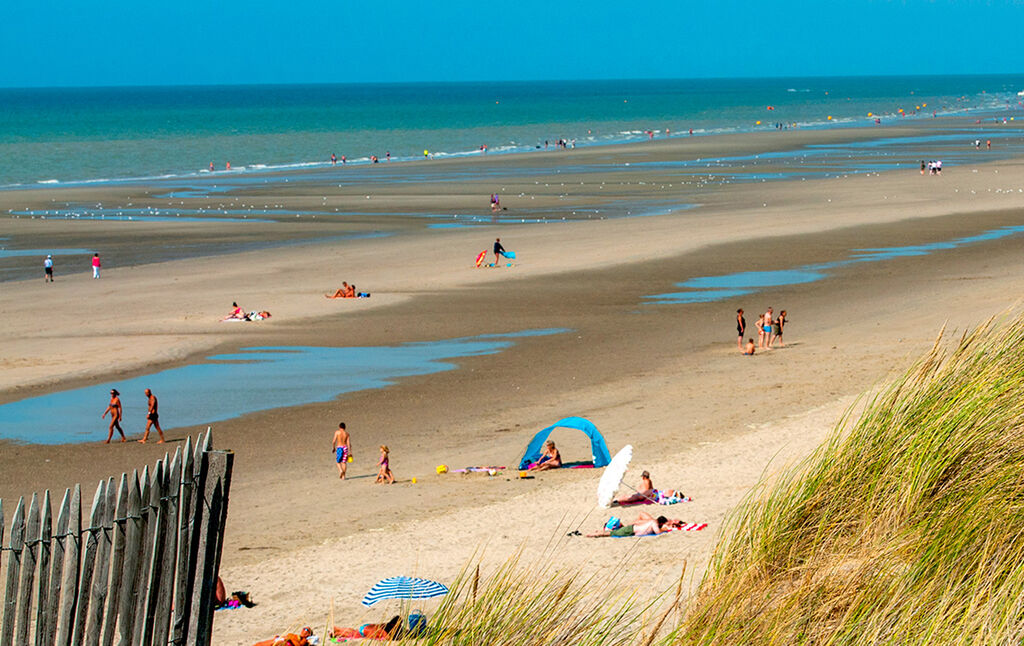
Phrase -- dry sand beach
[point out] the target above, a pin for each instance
(666, 378)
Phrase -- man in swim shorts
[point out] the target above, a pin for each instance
(342, 445)
(645, 525)
(152, 418)
(48, 270)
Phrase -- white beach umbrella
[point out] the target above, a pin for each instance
(612, 476)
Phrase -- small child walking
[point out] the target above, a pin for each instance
(384, 474)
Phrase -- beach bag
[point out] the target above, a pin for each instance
(417, 623)
(613, 524)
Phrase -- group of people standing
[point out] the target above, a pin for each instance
(769, 331)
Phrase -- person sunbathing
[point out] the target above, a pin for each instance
(644, 525)
(645, 492)
(236, 313)
(550, 459)
(291, 639)
(345, 291)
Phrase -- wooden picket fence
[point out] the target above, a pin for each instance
(142, 572)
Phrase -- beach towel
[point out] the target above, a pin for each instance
(688, 527)
(477, 469)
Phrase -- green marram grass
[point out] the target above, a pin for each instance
(905, 528)
(540, 605)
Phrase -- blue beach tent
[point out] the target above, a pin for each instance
(597, 444)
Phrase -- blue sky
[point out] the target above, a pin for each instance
(172, 42)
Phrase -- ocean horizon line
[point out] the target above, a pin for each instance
(472, 82)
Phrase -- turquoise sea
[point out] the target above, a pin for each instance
(110, 134)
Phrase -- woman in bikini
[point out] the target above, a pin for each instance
(550, 459)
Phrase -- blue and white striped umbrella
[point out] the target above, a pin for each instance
(403, 587)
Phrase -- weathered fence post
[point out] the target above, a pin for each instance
(186, 517)
(49, 632)
(13, 570)
(101, 575)
(43, 591)
(28, 572)
(117, 561)
(214, 476)
(72, 568)
(92, 540)
(157, 522)
(165, 587)
(129, 572)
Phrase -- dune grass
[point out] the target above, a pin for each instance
(518, 605)
(906, 527)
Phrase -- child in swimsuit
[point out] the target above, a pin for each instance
(384, 473)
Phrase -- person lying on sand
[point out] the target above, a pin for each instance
(291, 639)
(550, 459)
(644, 492)
(236, 313)
(644, 525)
(345, 291)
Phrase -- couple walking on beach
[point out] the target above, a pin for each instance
(117, 414)
(769, 331)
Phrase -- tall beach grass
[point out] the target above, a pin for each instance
(906, 527)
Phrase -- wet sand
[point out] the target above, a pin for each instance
(666, 378)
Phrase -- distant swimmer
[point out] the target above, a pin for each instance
(211, 167)
(373, 159)
(343, 160)
(426, 154)
(48, 270)
(152, 418)
(116, 412)
(691, 132)
(387, 155)
(334, 159)
(227, 166)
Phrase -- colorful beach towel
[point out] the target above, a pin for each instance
(478, 469)
(659, 498)
(688, 527)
